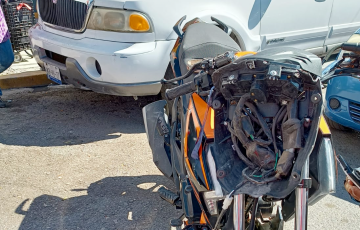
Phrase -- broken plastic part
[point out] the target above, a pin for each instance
(285, 163)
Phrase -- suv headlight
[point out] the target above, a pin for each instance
(118, 21)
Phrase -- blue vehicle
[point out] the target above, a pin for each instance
(342, 107)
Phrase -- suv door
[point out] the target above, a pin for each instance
(302, 24)
(344, 21)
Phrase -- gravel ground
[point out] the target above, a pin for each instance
(72, 159)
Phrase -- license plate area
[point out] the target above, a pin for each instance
(53, 73)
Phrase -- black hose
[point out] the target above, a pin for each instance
(263, 125)
(276, 118)
(253, 214)
(281, 117)
(188, 74)
(236, 122)
(222, 213)
(252, 117)
(259, 132)
(272, 199)
(285, 118)
(247, 209)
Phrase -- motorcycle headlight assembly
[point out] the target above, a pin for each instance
(107, 19)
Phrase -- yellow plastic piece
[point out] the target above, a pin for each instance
(243, 53)
(138, 22)
(324, 128)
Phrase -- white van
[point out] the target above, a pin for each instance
(122, 47)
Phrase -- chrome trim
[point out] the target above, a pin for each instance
(301, 202)
(239, 212)
(90, 6)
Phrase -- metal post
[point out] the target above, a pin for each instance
(239, 212)
(302, 192)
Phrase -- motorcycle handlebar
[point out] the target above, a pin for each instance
(180, 90)
(354, 47)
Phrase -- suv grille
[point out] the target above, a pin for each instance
(354, 109)
(68, 14)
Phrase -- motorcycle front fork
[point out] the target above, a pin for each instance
(302, 195)
(239, 212)
(301, 206)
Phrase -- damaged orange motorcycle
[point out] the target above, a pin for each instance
(241, 134)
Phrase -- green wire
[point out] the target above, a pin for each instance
(252, 137)
(277, 154)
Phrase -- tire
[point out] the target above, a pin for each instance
(17, 57)
(168, 75)
(335, 125)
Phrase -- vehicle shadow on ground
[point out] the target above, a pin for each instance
(61, 117)
(351, 152)
(111, 203)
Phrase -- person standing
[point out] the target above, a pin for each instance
(6, 52)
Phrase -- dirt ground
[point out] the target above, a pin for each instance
(73, 159)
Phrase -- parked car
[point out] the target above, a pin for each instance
(342, 107)
(122, 47)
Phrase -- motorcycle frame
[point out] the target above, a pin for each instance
(192, 106)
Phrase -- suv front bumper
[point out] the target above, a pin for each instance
(127, 69)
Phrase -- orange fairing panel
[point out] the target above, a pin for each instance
(186, 150)
(202, 218)
(324, 128)
(197, 109)
(201, 108)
